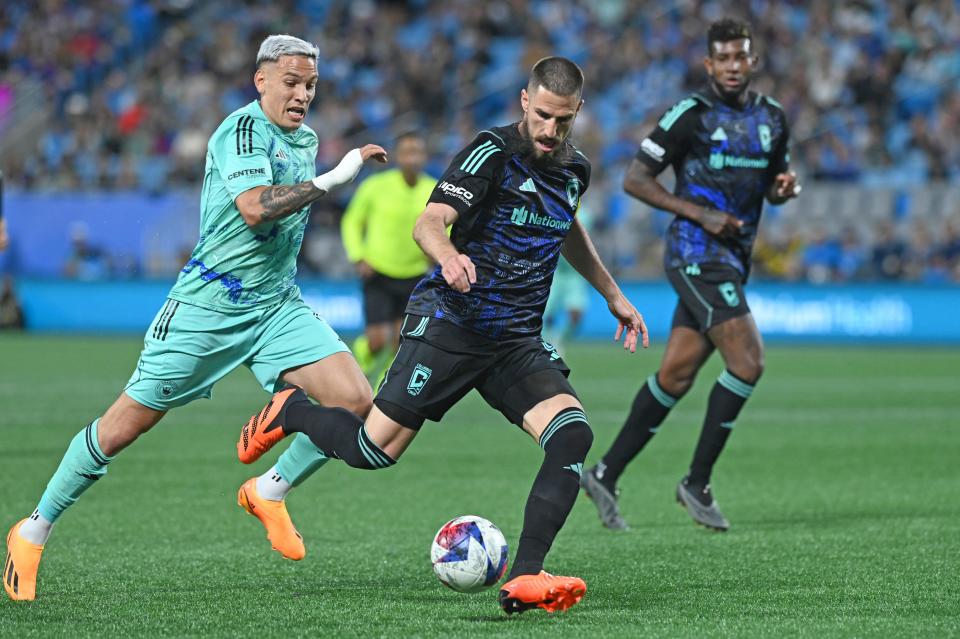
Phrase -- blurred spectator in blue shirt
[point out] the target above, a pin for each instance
(820, 258)
(853, 256)
(889, 252)
(86, 262)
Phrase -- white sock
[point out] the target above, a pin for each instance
(272, 486)
(36, 529)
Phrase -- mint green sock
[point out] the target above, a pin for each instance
(83, 464)
(300, 460)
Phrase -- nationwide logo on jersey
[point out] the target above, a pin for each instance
(720, 160)
(418, 379)
(521, 216)
(528, 186)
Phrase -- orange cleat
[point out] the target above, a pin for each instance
(21, 565)
(546, 591)
(273, 515)
(265, 429)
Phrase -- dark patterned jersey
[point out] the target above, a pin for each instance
(724, 158)
(513, 219)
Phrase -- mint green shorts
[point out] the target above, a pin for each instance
(568, 293)
(188, 349)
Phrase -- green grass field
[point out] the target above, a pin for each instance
(840, 481)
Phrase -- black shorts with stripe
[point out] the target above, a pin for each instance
(710, 294)
(439, 363)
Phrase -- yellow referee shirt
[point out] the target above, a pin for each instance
(377, 226)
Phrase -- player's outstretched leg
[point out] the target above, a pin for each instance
(650, 407)
(335, 431)
(82, 465)
(686, 352)
(739, 342)
(283, 535)
(21, 565)
(565, 442)
(263, 496)
(728, 396)
(701, 505)
(265, 429)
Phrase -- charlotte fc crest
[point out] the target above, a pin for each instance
(573, 192)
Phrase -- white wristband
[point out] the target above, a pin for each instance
(344, 172)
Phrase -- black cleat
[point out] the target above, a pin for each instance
(701, 505)
(605, 501)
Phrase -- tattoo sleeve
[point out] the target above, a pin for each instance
(280, 201)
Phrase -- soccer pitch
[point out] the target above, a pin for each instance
(840, 482)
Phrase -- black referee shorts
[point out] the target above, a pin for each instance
(385, 298)
(710, 294)
(439, 362)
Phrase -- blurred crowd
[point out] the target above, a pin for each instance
(845, 257)
(133, 89)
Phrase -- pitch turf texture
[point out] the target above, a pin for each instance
(840, 481)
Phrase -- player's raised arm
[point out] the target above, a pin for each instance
(268, 203)
(430, 233)
(580, 252)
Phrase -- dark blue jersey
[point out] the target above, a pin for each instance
(513, 217)
(724, 158)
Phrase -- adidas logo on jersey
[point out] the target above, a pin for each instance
(528, 186)
(280, 155)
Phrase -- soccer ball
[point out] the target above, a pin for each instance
(469, 554)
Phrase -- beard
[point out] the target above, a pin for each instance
(560, 155)
(734, 96)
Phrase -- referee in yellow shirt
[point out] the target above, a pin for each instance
(377, 230)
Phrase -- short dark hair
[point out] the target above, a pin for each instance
(557, 75)
(726, 30)
(409, 135)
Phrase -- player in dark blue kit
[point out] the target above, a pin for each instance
(474, 323)
(729, 150)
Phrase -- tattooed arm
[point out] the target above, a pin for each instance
(269, 203)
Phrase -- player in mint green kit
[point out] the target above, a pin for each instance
(235, 302)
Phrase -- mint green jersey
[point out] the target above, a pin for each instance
(235, 266)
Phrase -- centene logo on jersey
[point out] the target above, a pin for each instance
(246, 172)
(456, 191)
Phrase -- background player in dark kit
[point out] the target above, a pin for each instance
(475, 321)
(729, 150)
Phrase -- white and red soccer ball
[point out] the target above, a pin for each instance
(469, 554)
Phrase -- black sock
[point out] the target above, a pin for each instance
(728, 396)
(565, 442)
(650, 408)
(337, 432)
